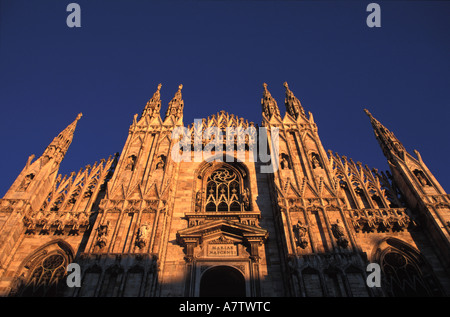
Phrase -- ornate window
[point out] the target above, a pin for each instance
(404, 271)
(46, 276)
(404, 277)
(223, 191)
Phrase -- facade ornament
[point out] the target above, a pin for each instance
(26, 182)
(142, 235)
(102, 232)
(246, 199)
(161, 162)
(284, 162)
(315, 160)
(131, 161)
(338, 233)
(300, 232)
(198, 201)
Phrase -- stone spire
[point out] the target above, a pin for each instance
(176, 105)
(387, 140)
(293, 105)
(153, 106)
(37, 178)
(268, 103)
(58, 147)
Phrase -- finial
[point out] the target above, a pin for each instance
(180, 86)
(285, 84)
(79, 116)
(367, 112)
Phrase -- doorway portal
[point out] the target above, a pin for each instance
(222, 281)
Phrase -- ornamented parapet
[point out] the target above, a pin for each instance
(69, 204)
(71, 223)
(381, 220)
(233, 131)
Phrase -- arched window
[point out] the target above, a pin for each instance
(404, 271)
(224, 191)
(403, 276)
(46, 277)
(43, 272)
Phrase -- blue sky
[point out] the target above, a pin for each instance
(222, 52)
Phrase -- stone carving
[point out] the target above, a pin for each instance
(421, 178)
(315, 160)
(26, 182)
(102, 232)
(300, 232)
(131, 161)
(284, 162)
(161, 162)
(245, 199)
(142, 235)
(198, 201)
(338, 233)
(59, 221)
(381, 220)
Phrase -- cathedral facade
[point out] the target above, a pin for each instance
(160, 219)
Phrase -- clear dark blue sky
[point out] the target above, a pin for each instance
(222, 52)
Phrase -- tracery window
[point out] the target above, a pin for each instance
(223, 191)
(46, 276)
(403, 276)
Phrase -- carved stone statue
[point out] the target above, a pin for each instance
(102, 231)
(142, 235)
(198, 201)
(131, 161)
(26, 182)
(300, 232)
(245, 199)
(423, 181)
(161, 163)
(315, 160)
(284, 163)
(338, 233)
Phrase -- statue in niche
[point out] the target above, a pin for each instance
(142, 236)
(161, 162)
(198, 201)
(103, 229)
(102, 232)
(26, 182)
(300, 232)
(315, 160)
(284, 162)
(338, 233)
(421, 178)
(245, 199)
(131, 161)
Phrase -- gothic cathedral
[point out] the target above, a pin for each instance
(142, 223)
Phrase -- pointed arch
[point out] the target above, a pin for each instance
(222, 186)
(405, 271)
(42, 272)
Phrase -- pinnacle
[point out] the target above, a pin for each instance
(368, 113)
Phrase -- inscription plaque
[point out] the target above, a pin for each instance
(222, 250)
